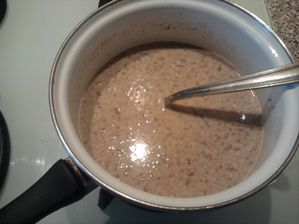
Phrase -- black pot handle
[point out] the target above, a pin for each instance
(62, 185)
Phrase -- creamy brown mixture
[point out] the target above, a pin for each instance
(201, 146)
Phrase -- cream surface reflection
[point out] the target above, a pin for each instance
(139, 151)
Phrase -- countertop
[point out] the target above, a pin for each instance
(284, 18)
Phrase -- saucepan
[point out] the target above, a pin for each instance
(219, 26)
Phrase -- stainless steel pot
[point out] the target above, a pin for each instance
(219, 26)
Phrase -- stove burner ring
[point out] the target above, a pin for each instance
(4, 149)
(3, 6)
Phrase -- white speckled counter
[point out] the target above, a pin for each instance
(284, 18)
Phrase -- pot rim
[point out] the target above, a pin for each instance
(128, 197)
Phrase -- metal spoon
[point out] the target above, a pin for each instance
(269, 78)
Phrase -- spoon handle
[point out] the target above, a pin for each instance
(269, 78)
